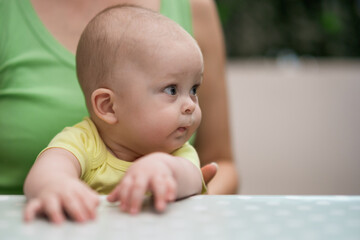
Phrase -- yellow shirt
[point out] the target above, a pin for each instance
(101, 170)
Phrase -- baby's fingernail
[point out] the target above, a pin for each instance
(123, 207)
(161, 206)
(58, 220)
(172, 197)
(133, 210)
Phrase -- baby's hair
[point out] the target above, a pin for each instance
(100, 41)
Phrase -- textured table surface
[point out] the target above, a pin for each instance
(202, 217)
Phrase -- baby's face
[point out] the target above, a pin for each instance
(158, 107)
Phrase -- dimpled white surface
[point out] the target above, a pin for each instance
(201, 217)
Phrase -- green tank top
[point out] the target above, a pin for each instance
(39, 91)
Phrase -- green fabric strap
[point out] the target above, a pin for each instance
(179, 11)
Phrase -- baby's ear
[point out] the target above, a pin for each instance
(102, 101)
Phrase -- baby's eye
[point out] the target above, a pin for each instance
(171, 90)
(193, 90)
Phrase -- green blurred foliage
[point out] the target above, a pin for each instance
(318, 28)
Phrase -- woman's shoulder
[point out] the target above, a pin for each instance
(202, 8)
(203, 3)
(206, 24)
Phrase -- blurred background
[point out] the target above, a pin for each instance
(293, 78)
(320, 28)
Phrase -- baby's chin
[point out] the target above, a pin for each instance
(178, 143)
(170, 144)
(168, 148)
(171, 149)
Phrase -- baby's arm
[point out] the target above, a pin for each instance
(167, 177)
(53, 187)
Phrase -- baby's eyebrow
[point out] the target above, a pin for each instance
(201, 76)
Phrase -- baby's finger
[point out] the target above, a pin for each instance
(32, 208)
(137, 193)
(53, 210)
(89, 202)
(159, 190)
(171, 189)
(114, 195)
(124, 192)
(74, 208)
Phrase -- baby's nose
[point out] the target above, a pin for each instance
(188, 106)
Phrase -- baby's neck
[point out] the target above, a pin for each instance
(123, 153)
(119, 150)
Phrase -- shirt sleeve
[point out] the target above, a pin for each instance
(74, 140)
(188, 152)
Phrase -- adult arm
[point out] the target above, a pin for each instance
(213, 137)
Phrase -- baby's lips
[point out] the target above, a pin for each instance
(182, 129)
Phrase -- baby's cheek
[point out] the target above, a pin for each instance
(198, 117)
(161, 129)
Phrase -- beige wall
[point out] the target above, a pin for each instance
(296, 125)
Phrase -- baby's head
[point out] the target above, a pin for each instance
(139, 72)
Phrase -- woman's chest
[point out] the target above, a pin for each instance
(66, 20)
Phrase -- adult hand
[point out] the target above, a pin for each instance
(209, 171)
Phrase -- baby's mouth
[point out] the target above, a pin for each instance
(182, 129)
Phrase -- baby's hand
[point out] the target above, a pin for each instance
(71, 196)
(150, 172)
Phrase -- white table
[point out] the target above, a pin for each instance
(202, 217)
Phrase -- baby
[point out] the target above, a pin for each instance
(139, 72)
